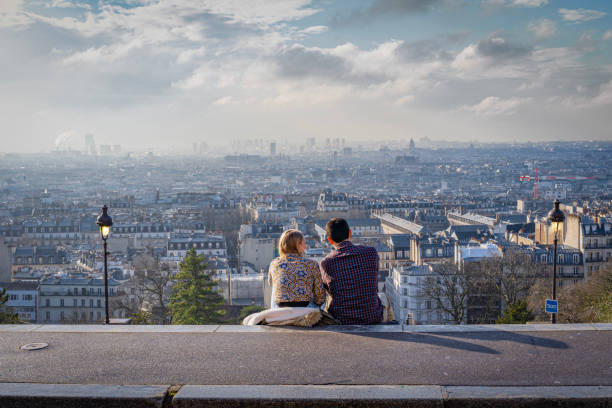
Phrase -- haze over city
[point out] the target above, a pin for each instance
(167, 74)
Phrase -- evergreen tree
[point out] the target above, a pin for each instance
(195, 298)
(517, 313)
(6, 314)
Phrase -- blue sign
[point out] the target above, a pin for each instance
(551, 306)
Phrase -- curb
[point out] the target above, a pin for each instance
(23, 395)
(18, 395)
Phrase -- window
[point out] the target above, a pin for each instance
(90, 302)
(13, 297)
(74, 302)
(62, 315)
(99, 315)
(48, 315)
(26, 297)
(404, 304)
(91, 316)
(47, 303)
(99, 303)
(576, 258)
(99, 291)
(62, 302)
(404, 291)
(83, 302)
(428, 304)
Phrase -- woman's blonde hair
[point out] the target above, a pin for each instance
(288, 242)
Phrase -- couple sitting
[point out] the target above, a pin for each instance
(347, 278)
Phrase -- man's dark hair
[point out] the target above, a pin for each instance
(337, 229)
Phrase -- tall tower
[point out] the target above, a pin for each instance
(90, 144)
(273, 149)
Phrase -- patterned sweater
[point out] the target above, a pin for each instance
(296, 279)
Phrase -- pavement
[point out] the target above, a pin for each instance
(517, 355)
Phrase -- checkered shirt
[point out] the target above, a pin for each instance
(350, 274)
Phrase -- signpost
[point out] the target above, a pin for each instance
(552, 306)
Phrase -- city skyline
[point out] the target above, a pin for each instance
(164, 75)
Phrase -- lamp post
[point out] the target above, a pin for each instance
(556, 218)
(104, 222)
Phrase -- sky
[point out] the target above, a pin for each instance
(163, 74)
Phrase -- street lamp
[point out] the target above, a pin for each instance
(104, 222)
(556, 218)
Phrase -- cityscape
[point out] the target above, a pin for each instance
(422, 204)
(305, 203)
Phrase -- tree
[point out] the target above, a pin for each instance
(195, 298)
(247, 310)
(141, 318)
(6, 313)
(448, 288)
(584, 302)
(516, 313)
(154, 278)
(147, 290)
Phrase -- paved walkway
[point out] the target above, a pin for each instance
(233, 355)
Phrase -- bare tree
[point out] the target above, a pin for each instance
(153, 278)
(448, 288)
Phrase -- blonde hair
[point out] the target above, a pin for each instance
(288, 242)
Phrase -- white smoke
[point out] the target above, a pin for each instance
(66, 141)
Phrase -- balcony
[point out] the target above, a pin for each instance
(282, 366)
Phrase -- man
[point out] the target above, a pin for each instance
(350, 274)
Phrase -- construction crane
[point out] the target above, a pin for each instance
(537, 178)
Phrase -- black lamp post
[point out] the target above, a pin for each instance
(556, 218)
(105, 221)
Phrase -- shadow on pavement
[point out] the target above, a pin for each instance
(509, 336)
(427, 339)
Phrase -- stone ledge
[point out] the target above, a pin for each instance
(23, 395)
(531, 397)
(100, 328)
(17, 395)
(194, 396)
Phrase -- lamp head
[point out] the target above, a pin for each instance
(104, 222)
(556, 217)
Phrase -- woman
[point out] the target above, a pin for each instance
(295, 280)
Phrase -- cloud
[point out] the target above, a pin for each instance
(67, 4)
(315, 29)
(10, 6)
(490, 4)
(607, 35)
(188, 55)
(496, 46)
(224, 101)
(603, 98)
(543, 29)
(385, 8)
(528, 3)
(382, 7)
(493, 106)
(580, 15)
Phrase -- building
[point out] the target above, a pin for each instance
(22, 299)
(400, 249)
(431, 249)
(204, 244)
(332, 202)
(259, 244)
(392, 224)
(410, 305)
(592, 236)
(32, 262)
(74, 300)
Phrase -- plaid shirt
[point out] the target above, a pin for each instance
(351, 276)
